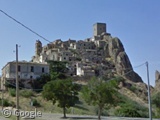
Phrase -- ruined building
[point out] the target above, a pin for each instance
(97, 55)
(27, 73)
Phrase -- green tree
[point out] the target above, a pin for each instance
(156, 102)
(156, 99)
(57, 69)
(64, 92)
(100, 93)
(38, 84)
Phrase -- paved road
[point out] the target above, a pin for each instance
(49, 116)
(53, 116)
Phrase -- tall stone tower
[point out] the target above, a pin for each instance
(99, 28)
(38, 48)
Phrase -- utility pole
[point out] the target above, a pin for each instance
(17, 82)
(149, 96)
(2, 98)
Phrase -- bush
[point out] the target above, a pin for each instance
(6, 103)
(131, 109)
(35, 103)
(156, 103)
(12, 92)
(156, 99)
(26, 93)
(133, 88)
(127, 111)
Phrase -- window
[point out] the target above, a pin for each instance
(32, 69)
(31, 77)
(19, 68)
(19, 76)
(42, 69)
(64, 58)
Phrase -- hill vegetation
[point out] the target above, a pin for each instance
(107, 96)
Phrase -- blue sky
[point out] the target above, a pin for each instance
(134, 22)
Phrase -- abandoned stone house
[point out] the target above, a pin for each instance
(27, 71)
(77, 53)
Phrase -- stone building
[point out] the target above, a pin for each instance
(27, 71)
(38, 47)
(72, 51)
(84, 69)
(99, 28)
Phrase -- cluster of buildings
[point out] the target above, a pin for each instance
(84, 58)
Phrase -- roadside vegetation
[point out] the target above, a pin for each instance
(57, 93)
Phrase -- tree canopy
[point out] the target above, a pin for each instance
(100, 93)
(57, 69)
(156, 102)
(64, 92)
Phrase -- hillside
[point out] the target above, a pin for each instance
(101, 55)
(81, 108)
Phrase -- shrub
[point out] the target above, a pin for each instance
(156, 99)
(127, 111)
(131, 109)
(12, 92)
(26, 93)
(35, 103)
(133, 88)
(6, 103)
(156, 103)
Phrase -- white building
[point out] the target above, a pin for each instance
(27, 71)
(84, 70)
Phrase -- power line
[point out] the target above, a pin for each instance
(24, 26)
(129, 68)
(140, 65)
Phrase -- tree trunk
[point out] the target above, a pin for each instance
(64, 112)
(99, 113)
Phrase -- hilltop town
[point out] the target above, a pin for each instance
(99, 55)
(90, 57)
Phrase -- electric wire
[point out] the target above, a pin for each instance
(24, 26)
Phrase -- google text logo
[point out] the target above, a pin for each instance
(24, 114)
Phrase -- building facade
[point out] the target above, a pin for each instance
(99, 28)
(27, 71)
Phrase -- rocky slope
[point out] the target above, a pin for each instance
(123, 66)
(157, 81)
(133, 82)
